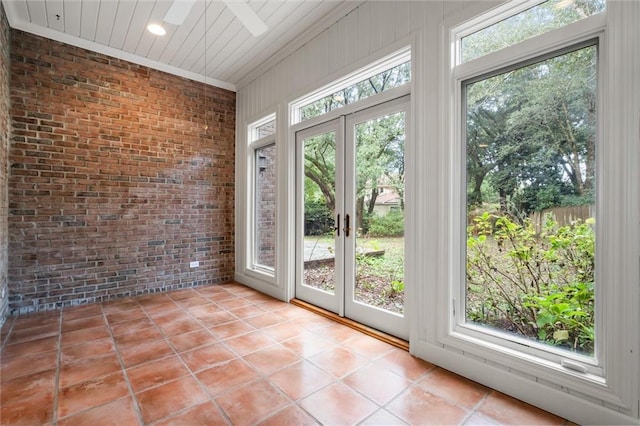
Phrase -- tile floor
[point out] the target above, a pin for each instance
(226, 354)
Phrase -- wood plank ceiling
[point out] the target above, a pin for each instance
(118, 28)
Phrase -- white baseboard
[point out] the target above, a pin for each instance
(261, 286)
(563, 404)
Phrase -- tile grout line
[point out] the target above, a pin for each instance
(166, 338)
(334, 380)
(132, 395)
(290, 318)
(266, 378)
(476, 407)
(469, 411)
(191, 373)
(261, 376)
(371, 362)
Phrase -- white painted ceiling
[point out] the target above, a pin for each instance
(233, 56)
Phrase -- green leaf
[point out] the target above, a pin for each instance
(545, 319)
(560, 335)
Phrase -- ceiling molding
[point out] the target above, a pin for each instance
(119, 31)
(331, 18)
(119, 54)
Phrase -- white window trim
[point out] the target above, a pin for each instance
(371, 101)
(532, 348)
(396, 54)
(498, 14)
(252, 267)
(387, 62)
(618, 389)
(254, 126)
(467, 337)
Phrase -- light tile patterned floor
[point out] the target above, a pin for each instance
(226, 354)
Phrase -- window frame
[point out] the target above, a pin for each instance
(531, 347)
(385, 63)
(255, 144)
(497, 15)
(604, 380)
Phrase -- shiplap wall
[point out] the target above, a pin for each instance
(361, 34)
(368, 32)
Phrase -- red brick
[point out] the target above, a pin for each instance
(21, 121)
(115, 186)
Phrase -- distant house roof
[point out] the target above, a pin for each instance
(388, 197)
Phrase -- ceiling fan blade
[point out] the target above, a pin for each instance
(178, 11)
(247, 16)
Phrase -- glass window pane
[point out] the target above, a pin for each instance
(265, 206)
(320, 211)
(393, 77)
(379, 224)
(531, 178)
(264, 130)
(540, 19)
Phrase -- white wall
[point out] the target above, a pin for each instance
(355, 40)
(367, 33)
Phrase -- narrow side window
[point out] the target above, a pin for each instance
(262, 200)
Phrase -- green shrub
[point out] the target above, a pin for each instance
(539, 286)
(318, 218)
(389, 225)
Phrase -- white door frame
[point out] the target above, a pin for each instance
(380, 319)
(342, 302)
(331, 302)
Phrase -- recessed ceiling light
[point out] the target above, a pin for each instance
(156, 29)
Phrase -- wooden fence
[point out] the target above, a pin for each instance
(563, 215)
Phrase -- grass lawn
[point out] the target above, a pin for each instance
(379, 279)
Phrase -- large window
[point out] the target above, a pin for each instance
(530, 140)
(540, 252)
(528, 136)
(263, 200)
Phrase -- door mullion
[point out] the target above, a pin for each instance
(349, 210)
(340, 207)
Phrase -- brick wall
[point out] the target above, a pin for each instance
(115, 185)
(266, 206)
(4, 161)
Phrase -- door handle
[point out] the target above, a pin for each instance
(337, 227)
(347, 228)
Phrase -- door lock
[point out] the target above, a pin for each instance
(347, 228)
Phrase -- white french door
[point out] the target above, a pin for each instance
(350, 216)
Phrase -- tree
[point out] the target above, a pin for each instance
(537, 20)
(380, 159)
(531, 132)
(320, 166)
(379, 145)
(485, 130)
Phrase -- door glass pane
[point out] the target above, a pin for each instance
(379, 224)
(265, 206)
(531, 179)
(319, 211)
